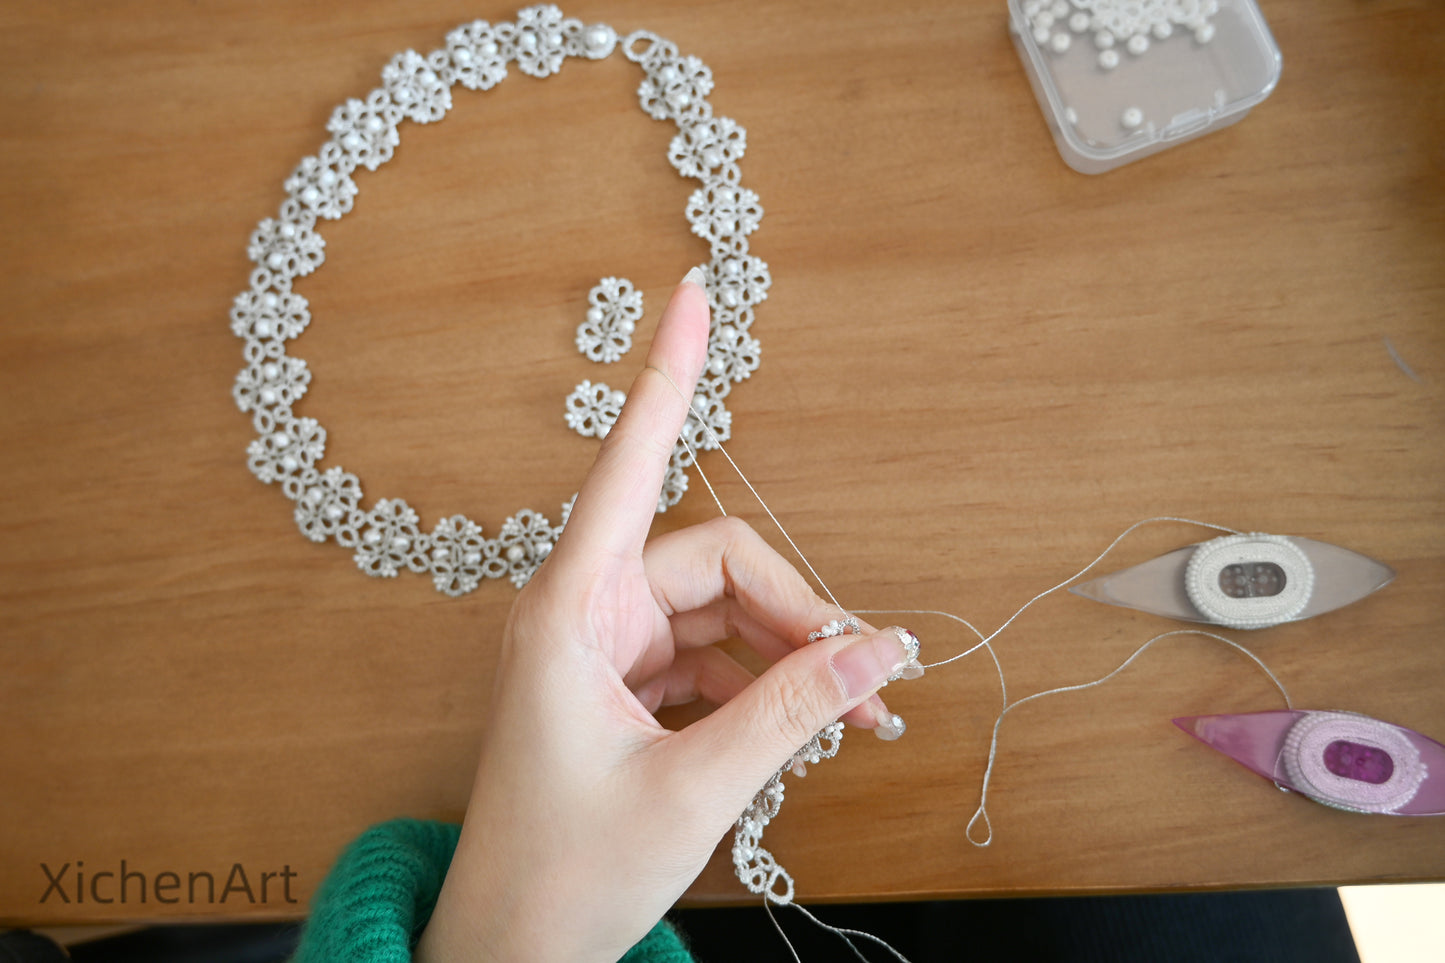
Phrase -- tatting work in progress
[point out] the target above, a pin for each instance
(388, 537)
(1239, 580)
(365, 133)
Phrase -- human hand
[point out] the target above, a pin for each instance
(587, 818)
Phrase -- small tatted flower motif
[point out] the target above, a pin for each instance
(708, 424)
(323, 184)
(331, 508)
(712, 385)
(683, 456)
(461, 557)
(676, 90)
(674, 482)
(292, 211)
(391, 540)
(720, 212)
(733, 356)
(287, 248)
(420, 86)
(271, 384)
(479, 61)
(268, 319)
(592, 409)
(710, 150)
(538, 41)
(615, 308)
(365, 130)
(735, 285)
(293, 448)
(526, 540)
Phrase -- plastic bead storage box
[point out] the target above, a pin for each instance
(1118, 80)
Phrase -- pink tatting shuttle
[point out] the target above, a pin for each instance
(1341, 759)
(1243, 581)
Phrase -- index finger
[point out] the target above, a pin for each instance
(614, 508)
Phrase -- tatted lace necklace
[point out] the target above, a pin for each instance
(388, 536)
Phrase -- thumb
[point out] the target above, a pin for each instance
(737, 748)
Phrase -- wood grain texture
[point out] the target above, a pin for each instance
(978, 367)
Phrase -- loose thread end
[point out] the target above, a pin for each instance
(968, 830)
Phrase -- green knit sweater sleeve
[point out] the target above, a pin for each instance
(373, 905)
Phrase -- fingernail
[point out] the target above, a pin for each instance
(910, 668)
(864, 666)
(693, 276)
(890, 725)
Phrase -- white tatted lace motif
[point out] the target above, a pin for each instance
(420, 86)
(269, 388)
(708, 424)
(606, 334)
(366, 130)
(267, 320)
(322, 184)
(675, 89)
(526, 541)
(477, 57)
(592, 409)
(331, 508)
(539, 42)
(391, 540)
(733, 355)
(735, 284)
(674, 483)
(388, 536)
(755, 866)
(290, 248)
(710, 150)
(722, 215)
(461, 557)
(289, 452)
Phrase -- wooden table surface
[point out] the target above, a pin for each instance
(978, 368)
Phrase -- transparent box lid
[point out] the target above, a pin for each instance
(1118, 80)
